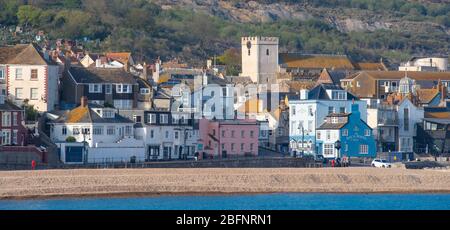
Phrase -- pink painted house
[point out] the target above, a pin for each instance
(228, 138)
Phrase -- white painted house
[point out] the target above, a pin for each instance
(308, 111)
(108, 137)
(168, 136)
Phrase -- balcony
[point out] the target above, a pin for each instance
(387, 122)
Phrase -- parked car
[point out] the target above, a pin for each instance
(380, 163)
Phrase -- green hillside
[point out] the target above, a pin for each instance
(150, 30)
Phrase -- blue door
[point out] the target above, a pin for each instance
(74, 154)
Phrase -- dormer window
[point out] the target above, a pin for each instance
(108, 114)
(339, 95)
(145, 91)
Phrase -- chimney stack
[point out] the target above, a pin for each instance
(84, 101)
(145, 71)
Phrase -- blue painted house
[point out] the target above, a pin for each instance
(355, 136)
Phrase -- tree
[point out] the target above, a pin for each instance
(28, 14)
(31, 114)
(232, 59)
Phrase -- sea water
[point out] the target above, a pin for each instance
(282, 201)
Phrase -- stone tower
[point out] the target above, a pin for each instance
(260, 58)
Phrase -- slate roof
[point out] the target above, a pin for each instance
(8, 106)
(319, 92)
(87, 115)
(438, 120)
(101, 75)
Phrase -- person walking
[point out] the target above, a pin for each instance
(33, 165)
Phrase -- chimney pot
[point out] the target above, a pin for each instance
(84, 101)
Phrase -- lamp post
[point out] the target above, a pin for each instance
(300, 127)
(337, 145)
(84, 132)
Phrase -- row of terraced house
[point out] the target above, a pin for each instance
(112, 108)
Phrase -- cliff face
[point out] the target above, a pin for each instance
(343, 19)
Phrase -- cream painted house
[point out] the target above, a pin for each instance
(32, 76)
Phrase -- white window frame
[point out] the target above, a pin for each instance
(19, 74)
(120, 88)
(363, 149)
(6, 119)
(345, 132)
(97, 130)
(31, 94)
(95, 88)
(6, 137)
(21, 93)
(108, 89)
(2, 74)
(164, 118)
(328, 149)
(110, 130)
(151, 118)
(128, 130)
(123, 104)
(15, 119)
(14, 139)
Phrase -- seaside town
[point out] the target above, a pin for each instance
(228, 106)
(63, 105)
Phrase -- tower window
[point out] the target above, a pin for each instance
(267, 52)
(248, 52)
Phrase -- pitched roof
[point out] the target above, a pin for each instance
(438, 112)
(328, 125)
(438, 115)
(319, 92)
(122, 57)
(332, 77)
(88, 115)
(31, 55)
(101, 75)
(427, 95)
(296, 86)
(315, 61)
(8, 106)
(370, 66)
(8, 53)
(416, 75)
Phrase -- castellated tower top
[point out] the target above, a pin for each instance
(259, 39)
